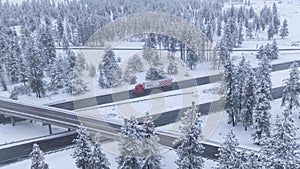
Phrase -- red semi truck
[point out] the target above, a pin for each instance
(146, 87)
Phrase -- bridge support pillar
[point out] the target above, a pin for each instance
(12, 120)
(50, 129)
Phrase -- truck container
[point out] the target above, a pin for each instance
(146, 87)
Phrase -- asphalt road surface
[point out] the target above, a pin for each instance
(211, 107)
(17, 152)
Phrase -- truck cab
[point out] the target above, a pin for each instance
(138, 89)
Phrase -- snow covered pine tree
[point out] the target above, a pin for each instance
(281, 149)
(290, 97)
(261, 117)
(130, 145)
(151, 148)
(82, 153)
(190, 149)
(228, 156)
(37, 158)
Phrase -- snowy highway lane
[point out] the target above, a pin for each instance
(125, 95)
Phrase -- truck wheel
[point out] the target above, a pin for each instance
(167, 88)
(132, 94)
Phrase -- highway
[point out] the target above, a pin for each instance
(139, 49)
(206, 108)
(8, 154)
(69, 119)
(20, 150)
(109, 98)
(104, 99)
(13, 153)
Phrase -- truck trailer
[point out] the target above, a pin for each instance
(146, 87)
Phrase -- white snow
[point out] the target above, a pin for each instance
(215, 127)
(287, 10)
(25, 130)
(37, 139)
(63, 159)
(154, 104)
(167, 101)
(204, 69)
(243, 136)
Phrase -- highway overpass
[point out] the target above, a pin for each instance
(69, 119)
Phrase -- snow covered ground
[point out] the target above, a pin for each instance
(157, 103)
(286, 56)
(201, 70)
(278, 78)
(154, 104)
(163, 102)
(289, 10)
(243, 136)
(215, 127)
(25, 130)
(93, 56)
(64, 159)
